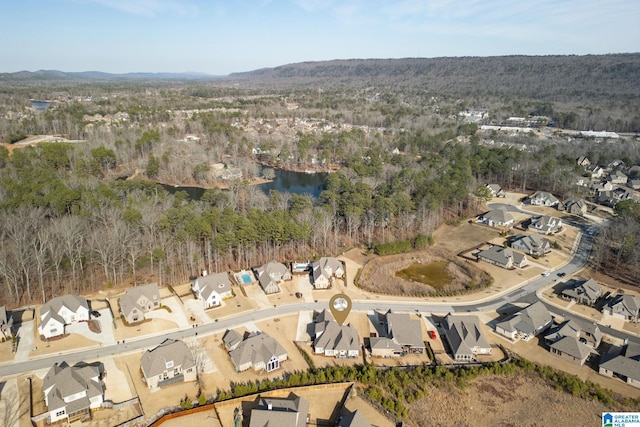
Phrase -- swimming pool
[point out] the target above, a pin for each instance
(246, 278)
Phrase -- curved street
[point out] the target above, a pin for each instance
(527, 292)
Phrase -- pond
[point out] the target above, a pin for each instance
(434, 274)
(284, 181)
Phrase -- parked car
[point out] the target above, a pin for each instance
(545, 274)
(432, 335)
(562, 274)
(95, 313)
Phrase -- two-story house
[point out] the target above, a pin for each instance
(61, 311)
(323, 270)
(170, 362)
(212, 289)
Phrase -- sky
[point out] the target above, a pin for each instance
(224, 36)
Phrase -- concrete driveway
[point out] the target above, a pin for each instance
(177, 314)
(25, 343)
(196, 307)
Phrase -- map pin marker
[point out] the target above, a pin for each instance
(340, 305)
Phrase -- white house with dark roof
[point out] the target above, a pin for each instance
(531, 245)
(61, 311)
(70, 392)
(545, 224)
(212, 289)
(255, 350)
(503, 257)
(270, 275)
(543, 198)
(624, 306)
(138, 301)
(464, 336)
(323, 270)
(170, 362)
(291, 411)
(332, 339)
(6, 323)
(526, 323)
(498, 217)
(583, 292)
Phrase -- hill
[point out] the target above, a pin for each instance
(558, 78)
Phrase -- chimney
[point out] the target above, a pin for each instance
(204, 272)
(269, 406)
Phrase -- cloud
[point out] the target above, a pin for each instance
(148, 7)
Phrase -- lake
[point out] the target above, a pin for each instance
(285, 181)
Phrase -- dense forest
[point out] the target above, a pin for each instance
(85, 214)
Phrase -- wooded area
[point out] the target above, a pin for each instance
(80, 216)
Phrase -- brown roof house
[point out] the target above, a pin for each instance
(503, 257)
(212, 289)
(270, 275)
(625, 307)
(6, 323)
(527, 323)
(170, 362)
(138, 301)
(70, 392)
(323, 270)
(623, 363)
(255, 350)
(464, 336)
(332, 339)
(291, 411)
(61, 311)
(403, 336)
(583, 292)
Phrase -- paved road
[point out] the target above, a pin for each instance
(525, 294)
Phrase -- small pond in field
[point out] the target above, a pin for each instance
(434, 274)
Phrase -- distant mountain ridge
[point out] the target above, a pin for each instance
(53, 75)
(558, 77)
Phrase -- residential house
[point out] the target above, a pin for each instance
(6, 323)
(595, 171)
(543, 198)
(61, 311)
(531, 245)
(587, 333)
(270, 275)
(601, 186)
(168, 363)
(323, 270)
(291, 411)
(575, 207)
(403, 336)
(138, 301)
(464, 336)
(583, 292)
(571, 349)
(583, 161)
(353, 419)
(70, 392)
(617, 177)
(527, 323)
(545, 224)
(255, 350)
(503, 257)
(497, 218)
(211, 289)
(625, 307)
(634, 184)
(623, 363)
(332, 339)
(496, 190)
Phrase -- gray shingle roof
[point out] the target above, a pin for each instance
(337, 337)
(572, 346)
(383, 343)
(499, 215)
(154, 362)
(528, 320)
(354, 419)
(131, 298)
(256, 348)
(280, 412)
(463, 333)
(63, 381)
(72, 302)
(217, 282)
(323, 265)
(404, 330)
(624, 366)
